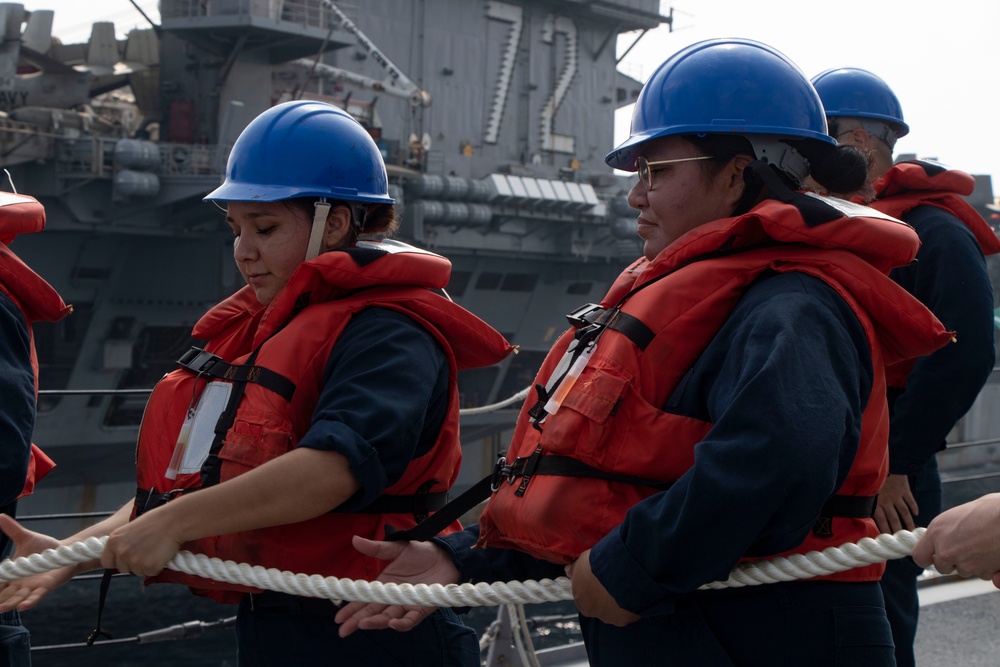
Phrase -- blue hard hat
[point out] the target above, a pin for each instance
(857, 93)
(304, 149)
(724, 86)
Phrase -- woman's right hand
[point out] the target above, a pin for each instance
(412, 562)
(25, 593)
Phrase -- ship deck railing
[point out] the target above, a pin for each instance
(309, 14)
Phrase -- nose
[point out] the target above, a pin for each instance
(243, 249)
(637, 195)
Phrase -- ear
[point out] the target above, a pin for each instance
(338, 228)
(733, 179)
(857, 137)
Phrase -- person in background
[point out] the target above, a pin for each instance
(25, 298)
(324, 405)
(929, 395)
(964, 539)
(724, 402)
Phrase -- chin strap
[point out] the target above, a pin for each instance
(318, 227)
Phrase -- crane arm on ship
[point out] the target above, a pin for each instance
(333, 74)
(397, 83)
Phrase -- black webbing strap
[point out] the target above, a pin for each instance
(103, 596)
(850, 507)
(629, 326)
(448, 514)
(522, 468)
(201, 362)
(844, 507)
(150, 499)
(417, 504)
(211, 469)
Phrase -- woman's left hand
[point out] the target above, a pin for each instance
(590, 596)
(143, 546)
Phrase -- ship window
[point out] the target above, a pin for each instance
(519, 282)
(579, 288)
(488, 280)
(458, 283)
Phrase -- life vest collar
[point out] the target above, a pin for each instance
(38, 300)
(19, 214)
(923, 175)
(908, 185)
(879, 239)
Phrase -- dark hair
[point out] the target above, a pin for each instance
(837, 168)
(841, 168)
(381, 219)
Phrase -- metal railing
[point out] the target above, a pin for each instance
(307, 13)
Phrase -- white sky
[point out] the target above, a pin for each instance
(942, 59)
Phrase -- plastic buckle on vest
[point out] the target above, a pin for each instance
(500, 470)
(198, 360)
(585, 315)
(525, 469)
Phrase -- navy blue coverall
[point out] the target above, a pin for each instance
(17, 421)
(951, 279)
(383, 403)
(785, 382)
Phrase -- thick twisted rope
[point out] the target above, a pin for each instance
(799, 566)
(516, 398)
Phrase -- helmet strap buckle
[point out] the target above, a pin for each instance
(780, 155)
(320, 215)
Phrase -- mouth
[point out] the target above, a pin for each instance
(255, 278)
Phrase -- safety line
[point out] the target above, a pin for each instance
(866, 551)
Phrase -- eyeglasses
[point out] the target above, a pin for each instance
(645, 168)
(883, 133)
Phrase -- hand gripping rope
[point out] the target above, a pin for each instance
(798, 566)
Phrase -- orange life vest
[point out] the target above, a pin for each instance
(293, 338)
(914, 183)
(610, 418)
(35, 298)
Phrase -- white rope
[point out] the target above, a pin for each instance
(798, 566)
(516, 398)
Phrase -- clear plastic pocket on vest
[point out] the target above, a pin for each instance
(198, 430)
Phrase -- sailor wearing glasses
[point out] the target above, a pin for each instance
(726, 400)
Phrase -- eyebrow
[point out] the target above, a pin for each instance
(252, 215)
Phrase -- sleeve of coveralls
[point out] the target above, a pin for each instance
(17, 400)
(385, 377)
(784, 383)
(951, 279)
(492, 564)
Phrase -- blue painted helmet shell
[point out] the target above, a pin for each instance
(304, 149)
(724, 86)
(857, 93)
